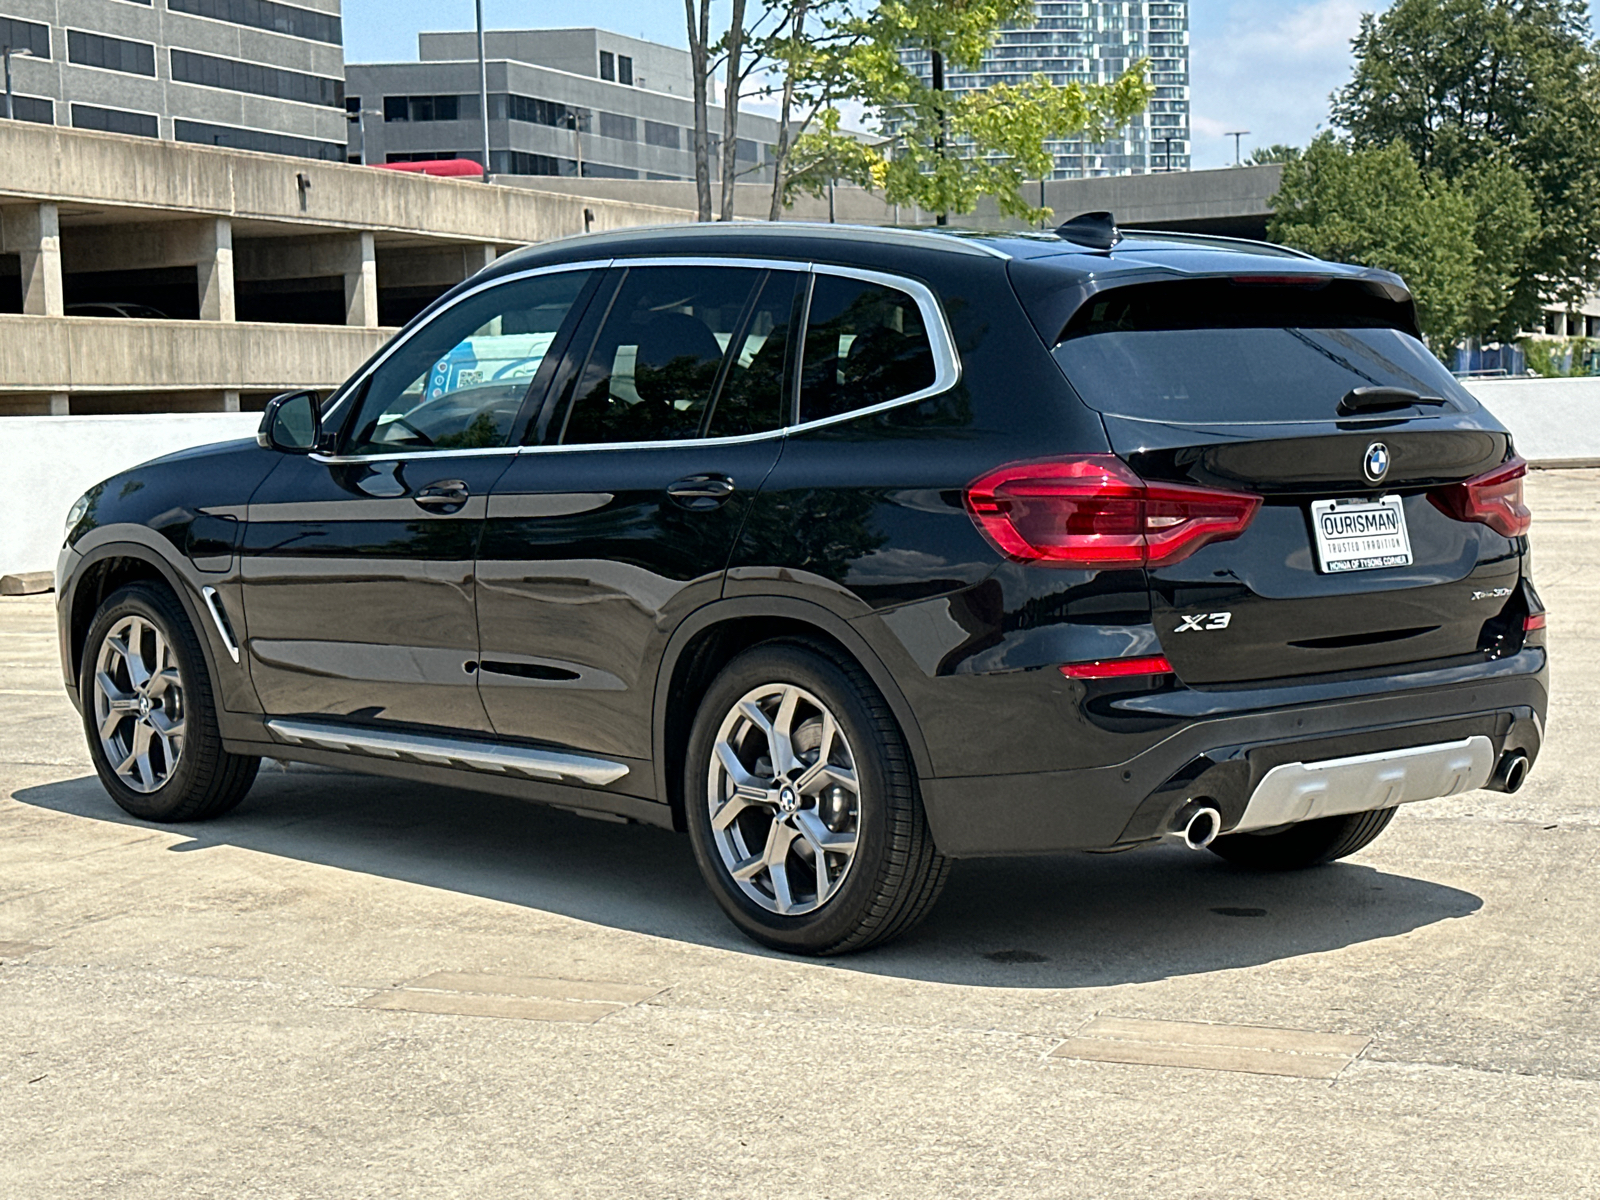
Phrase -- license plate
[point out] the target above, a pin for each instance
(1361, 535)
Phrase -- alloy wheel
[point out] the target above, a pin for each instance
(138, 704)
(784, 799)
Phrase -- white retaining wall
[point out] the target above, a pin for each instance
(48, 462)
(1553, 421)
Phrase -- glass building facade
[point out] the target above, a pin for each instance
(1095, 41)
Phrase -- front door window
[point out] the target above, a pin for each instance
(460, 382)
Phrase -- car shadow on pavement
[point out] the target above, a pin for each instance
(1079, 920)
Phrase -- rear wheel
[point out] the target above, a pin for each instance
(150, 713)
(803, 806)
(1308, 844)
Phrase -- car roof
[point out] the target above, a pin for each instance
(1139, 252)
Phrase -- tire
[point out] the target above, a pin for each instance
(862, 817)
(1308, 844)
(185, 774)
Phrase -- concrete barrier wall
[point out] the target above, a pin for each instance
(74, 166)
(1552, 420)
(50, 461)
(84, 354)
(53, 460)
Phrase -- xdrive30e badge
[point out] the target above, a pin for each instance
(1376, 463)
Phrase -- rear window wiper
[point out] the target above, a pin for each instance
(1375, 399)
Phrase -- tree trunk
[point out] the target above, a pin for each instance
(780, 163)
(941, 140)
(730, 109)
(699, 52)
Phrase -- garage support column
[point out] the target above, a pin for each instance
(33, 232)
(479, 257)
(229, 401)
(361, 284)
(214, 270)
(58, 405)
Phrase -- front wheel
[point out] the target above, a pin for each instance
(803, 806)
(1308, 844)
(150, 712)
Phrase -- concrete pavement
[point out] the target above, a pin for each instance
(186, 1011)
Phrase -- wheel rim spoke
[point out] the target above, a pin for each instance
(818, 774)
(823, 840)
(734, 805)
(777, 855)
(783, 758)
(741, 778)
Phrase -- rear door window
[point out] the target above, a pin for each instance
(1214, 353)
(659, 354)
(865, 344)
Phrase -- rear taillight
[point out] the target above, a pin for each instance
(1095, 512)
(1533, 622)
(1119, 668)
(1493, 498)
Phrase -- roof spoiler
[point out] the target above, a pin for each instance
(1096, 230)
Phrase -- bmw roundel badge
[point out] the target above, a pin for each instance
(1376, 463)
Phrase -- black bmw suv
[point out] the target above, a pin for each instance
(850, 552)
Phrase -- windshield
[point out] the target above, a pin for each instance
(1250, 375)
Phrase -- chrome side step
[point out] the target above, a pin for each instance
(492, 757)
(1305, 791)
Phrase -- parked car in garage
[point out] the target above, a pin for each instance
(849, 552)
(116, 308)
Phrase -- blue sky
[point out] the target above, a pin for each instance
(1263, 65)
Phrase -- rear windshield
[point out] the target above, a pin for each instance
(1243, 354)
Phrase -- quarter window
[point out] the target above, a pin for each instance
(659, 354)
(865, 344)
(460, 381)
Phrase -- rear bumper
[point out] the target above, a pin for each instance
(1225, 755)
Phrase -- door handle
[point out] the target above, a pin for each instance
(701, 491)
(446, 496)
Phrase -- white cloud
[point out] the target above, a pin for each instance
(1267, 66)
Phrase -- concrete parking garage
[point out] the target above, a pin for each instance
(354, 987)
(270, 272)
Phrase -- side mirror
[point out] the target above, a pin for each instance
(292, 423)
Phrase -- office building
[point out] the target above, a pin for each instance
(578, 102)
(1090, 42)
(245, 74)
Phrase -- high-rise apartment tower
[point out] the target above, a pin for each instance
(1094, 41)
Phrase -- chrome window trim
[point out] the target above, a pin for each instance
(946, 374)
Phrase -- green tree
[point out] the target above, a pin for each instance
(1278, 152)
(1377, 208)
(1463, 82)
(823, 155)
(804, 57)
(944, 150)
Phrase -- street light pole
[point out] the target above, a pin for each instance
(483, 92)
(361, 126)
(1236, 134)
(7, 53)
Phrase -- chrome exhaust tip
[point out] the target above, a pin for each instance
(1198, 824)
(1511, 772)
